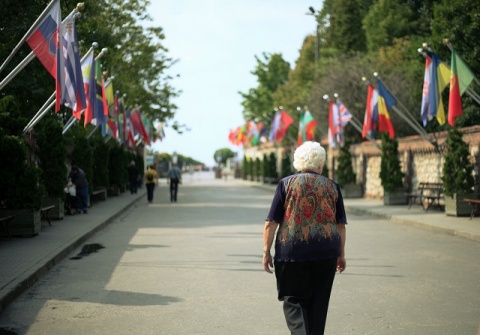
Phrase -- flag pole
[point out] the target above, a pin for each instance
(404, 114)
(42, 111)
(474, 95)
(34, 26)
(31, 56)
(73, 119)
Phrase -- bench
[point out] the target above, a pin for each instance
(428, 194)
(44, 213)
(100, 193)
(474, 203)
(4, 220)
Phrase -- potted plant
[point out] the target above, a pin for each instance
(286, 165)
(20, 190)
(52, 156)
(458, 181)
(346, 176)
(258, 169)
(391, 175)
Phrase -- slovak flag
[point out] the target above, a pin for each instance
(47, 45)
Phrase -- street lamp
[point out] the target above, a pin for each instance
(317, 41)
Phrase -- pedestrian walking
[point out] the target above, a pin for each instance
(308, 211)
(174, 178)
(151, 180)
(133, 177)
(78, 177)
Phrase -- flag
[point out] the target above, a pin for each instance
(89, 85)
(285, 122)
(385, 104)
(138, 126)
(48, 47)
(160, 132)
(275, 125)
(341, 118)
(371, 112)
(100, 108)
(112, 128)
(424, 110)
(110, 98)
(439, 77)
(263, 132)
(461, 77)
(306, 128)
(332, 128)
(253, 132)
(74, 90)
(129, 135)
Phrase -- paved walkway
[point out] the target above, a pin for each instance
(24, 260)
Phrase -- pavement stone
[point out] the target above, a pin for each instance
(24, 260)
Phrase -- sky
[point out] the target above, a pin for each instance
(215, 42)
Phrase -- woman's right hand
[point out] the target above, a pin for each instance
(267, 261)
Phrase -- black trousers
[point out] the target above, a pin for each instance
(304, 288)
(150, 188)
(173, 189)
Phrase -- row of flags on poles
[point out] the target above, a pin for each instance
(379, 104)
(80, 83)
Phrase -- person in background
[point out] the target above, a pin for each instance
(151, 180)
(308, 211)
(133, 177)
(78, 177)
(174, 178)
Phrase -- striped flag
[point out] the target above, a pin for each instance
(74, 90)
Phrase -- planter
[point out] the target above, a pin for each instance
(395, 197)
(59, 211)
(352, 191)
(455, 206)
(26, 222)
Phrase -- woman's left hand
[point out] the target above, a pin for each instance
(341, 264)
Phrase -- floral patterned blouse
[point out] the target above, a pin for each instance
(307, 206)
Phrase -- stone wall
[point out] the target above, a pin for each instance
(421, 160)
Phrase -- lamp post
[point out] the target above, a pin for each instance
(317, 41)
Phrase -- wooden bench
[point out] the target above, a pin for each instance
(44, 211)
(428, 195)
(100, 193)
(474, 203)
(4, 220)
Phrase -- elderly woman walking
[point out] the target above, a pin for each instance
(308, 211)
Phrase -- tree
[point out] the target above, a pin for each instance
(52, 155)
(457, 168)
(345, 20)
(345, 172)
(271, 72)
(390, 170)
(224, 154)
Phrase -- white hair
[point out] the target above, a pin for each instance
(309, 156)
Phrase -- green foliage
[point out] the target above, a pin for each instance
(344, 32)
(258, 168)
(245, 168)
(101, 161)
(117, 166)
(52, 155)
(224, 154)
(273, 165)
(345, 171)
(266, 166)
(286, 166)
(82, 156)
(258, 103)
(391, 174)
(457, 168)
(19, 184)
